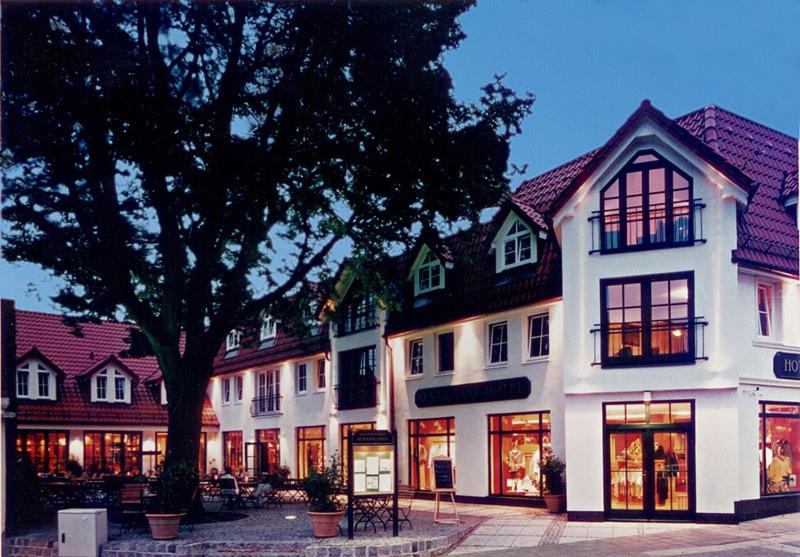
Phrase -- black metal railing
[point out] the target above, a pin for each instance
(638, 345)
(681, 225)
(269, 405)
(356, 396)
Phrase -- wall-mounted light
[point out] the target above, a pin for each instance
(647, 397)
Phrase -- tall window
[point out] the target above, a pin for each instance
(111, 385)
(321, 383)
(517, 246)
(268, 328)
(446, 352)
(498, 342)
(648, 319)
(518, 444)
(232, 451)
(357, 382)
(779, 445)
(233, 340)
(647, 204)
(46, 449)
(238, 383)
(310, 450)
(269, 393)
(764, 309)
(358, 315)
(226, 390)
(539, 335)
(112, 453)
(35, 381)
(416, 366)
(430, 275)
(428, 439)
(302, 378)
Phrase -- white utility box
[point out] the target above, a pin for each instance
(81, 532)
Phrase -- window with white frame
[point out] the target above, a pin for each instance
(234, 340)
(415, 362)
(765, 309)
(268, 328)
(539, 335)
(321, 382)
(429, 275)
(498, 342)
(238, 391)
(517, 246)
(111, 385)
(268, 387)
(226, 390)
(35, 381)
(302, 378)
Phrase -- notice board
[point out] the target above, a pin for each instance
(443, 474)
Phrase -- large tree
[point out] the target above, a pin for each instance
(161, 156)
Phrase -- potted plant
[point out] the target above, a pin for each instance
(554, 493)
(174, 492)
(323, 490)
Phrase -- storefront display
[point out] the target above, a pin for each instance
(427, 440)
(518, 443)
(310, 450)
(779, 439)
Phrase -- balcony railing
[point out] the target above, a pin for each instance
(636, 345)
(660, 230)
(356, 396)
(269, 405)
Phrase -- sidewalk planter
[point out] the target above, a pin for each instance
(164, 526)
(555, 503)
(325, 524)
(554, 493)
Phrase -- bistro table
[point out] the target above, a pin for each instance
(293, 490)
(371, 509)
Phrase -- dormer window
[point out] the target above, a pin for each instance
(234, 340)
(516, 246)
(111, 385)
(429, 275)
(358, 315)
(647, 205)
(36, 381)
(268, 328)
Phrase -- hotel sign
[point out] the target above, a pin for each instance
(471, 393)
(786, 365)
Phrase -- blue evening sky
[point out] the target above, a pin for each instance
(590, 63)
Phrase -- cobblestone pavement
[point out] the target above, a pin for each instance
(531, 532)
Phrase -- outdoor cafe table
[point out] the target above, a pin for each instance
(372, 509)
(293, 491)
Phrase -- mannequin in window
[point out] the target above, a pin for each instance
(779, 469)
(424, 470)
(516, 462)
(533, 466)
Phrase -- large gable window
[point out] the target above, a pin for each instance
(517, 246)
(36, 381)
(429, 275)
(111, 385)
(233, 340)
(268, 328)
(648, 204)
(358, 315)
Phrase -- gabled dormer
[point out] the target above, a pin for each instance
(516, 241)
(428, 269)
(37, 377)
(109, 381)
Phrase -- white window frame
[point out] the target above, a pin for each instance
(416, 362)
(429, 263)
(32, 369)
(321, 373)
(529, 337)
(268, 383)
(508, 237)
(269, 328)
(238, 389)
(110, 374)
(770, 313)
(298, 367)
(227, 390)
(489, 344)
(233, 341)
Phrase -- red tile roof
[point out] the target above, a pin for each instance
(77, 346)
(285, 346)
(761, 160)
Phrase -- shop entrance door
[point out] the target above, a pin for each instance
(649, 470)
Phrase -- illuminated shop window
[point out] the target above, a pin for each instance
(310, 450)
(779, 447)
(518, 443)
(428, 439)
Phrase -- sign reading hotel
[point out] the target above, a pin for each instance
(786, 365)
(472, 393)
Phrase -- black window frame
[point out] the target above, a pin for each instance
(647, 358)
(644, 168)
(446, 356)
(356, 317)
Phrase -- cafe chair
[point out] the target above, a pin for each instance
(405, 499)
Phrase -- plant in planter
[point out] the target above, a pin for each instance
(323, 490)
(176, 484)
(554, 489)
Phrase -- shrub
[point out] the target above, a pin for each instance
(176, 487)
(323, 488)
(553, 472)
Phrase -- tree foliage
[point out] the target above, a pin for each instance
(161, 156)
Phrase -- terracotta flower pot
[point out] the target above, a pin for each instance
(555, 503)
(325, 524)
(164, 526)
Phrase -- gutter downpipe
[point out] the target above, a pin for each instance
(390, 373)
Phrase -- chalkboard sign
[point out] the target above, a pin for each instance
(442, 474)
